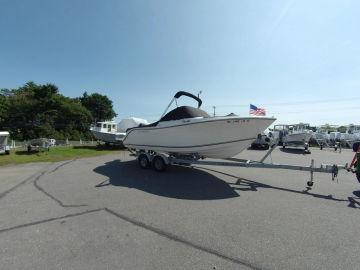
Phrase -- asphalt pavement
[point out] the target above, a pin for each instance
(107, 213)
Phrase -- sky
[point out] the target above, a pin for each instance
(298, 59)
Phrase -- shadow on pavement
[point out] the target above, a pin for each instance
(177, 182)
(250, 185)
(357, 193)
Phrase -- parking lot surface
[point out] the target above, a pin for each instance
(107, 213)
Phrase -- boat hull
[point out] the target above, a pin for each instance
(218, 137)
(300, 138)
(114, 138)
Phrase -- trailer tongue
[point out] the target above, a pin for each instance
(324, 168)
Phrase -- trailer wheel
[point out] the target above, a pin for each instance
(143, 161)
(159, 164)
(310, 184)
(7, 152)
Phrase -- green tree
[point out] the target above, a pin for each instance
(40, 111)
(342, 129)
(100, 106)
(4, 107)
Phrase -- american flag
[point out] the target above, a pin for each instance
(257, 111)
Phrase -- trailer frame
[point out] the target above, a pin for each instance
(159, 162)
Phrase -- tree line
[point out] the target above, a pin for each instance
(36, 111)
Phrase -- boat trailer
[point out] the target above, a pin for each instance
(159, 161)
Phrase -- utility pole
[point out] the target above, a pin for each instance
(214, 107)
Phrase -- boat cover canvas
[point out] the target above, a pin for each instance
(184, 112)
(131, 122)
(179, 113)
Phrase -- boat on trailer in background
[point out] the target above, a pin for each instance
(296, 135)
(39, 144)
(107, 132)
(4, 138)
(353, 136)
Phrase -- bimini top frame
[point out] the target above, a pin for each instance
(178, 95)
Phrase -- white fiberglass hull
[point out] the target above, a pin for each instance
(217, 137)
(321, 136)
(350, 139)
(300, 138)
(115, 138)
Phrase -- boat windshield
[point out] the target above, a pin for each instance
(280, 127)
(300, 127)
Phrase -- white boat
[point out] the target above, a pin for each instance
(279, 132)
(322, 135)
(4, 137)
(107, 132)
(131, 122)
(299, 135)
(187, 130)
(39, 144)
(354, 129)
(334, 137)
(353, 136)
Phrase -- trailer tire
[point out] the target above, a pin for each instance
(143, 161)
(7, 152)
(159, 164)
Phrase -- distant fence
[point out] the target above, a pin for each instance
(23, 144)
(74, 143)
